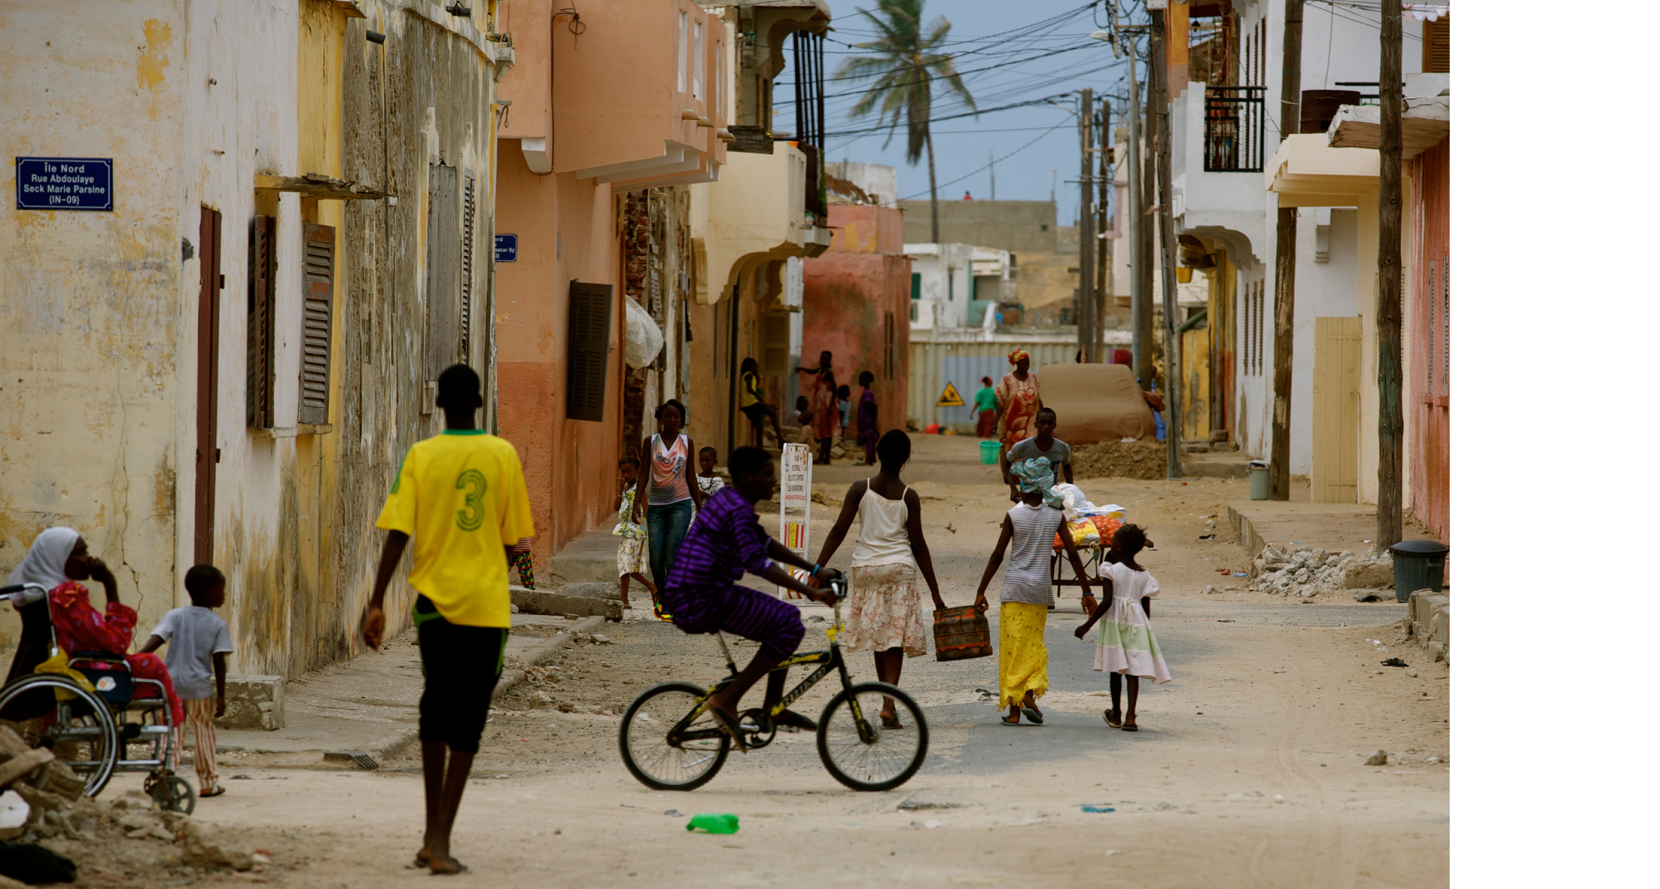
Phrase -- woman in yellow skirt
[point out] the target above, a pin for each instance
(1031, 526)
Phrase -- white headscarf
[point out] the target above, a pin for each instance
(44, 563)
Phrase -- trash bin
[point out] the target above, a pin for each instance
(989, 452)
(1259, 479)
(1419, 565)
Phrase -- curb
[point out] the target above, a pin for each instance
(398, 742)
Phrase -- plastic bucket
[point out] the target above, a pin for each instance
(1419, 565)
(1259, 480)
(989, 452)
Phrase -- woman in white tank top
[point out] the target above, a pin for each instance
(885, 606)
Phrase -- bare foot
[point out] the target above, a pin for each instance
(445, 865)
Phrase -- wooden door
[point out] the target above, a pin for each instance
(1336, 409)
(207, 386)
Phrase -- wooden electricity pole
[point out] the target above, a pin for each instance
(1158, 100)
(1086, 225)
(1285, 261)
(1103, 181)
(1389, 282)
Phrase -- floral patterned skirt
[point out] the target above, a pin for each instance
(884, 610)
(632, 557)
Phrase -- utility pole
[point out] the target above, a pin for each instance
(1285, 260)
(1141, 306)
(1389, 282)
(1103, 181)
(1086, 225)
(992, 165)
(1158, 96)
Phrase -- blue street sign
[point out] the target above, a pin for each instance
(507, 248)
(65, 183)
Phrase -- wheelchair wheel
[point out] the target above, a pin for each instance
(171, 793)
(80, 727)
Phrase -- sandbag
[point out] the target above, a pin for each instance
(641, 338)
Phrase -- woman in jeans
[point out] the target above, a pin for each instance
(668, 488)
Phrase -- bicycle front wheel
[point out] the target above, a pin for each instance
(77, 726)
(858, 751)
(647, 750)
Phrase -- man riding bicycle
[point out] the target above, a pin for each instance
(701, 590)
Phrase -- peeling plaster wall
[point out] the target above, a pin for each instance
(98, 311)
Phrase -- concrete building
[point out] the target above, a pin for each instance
(1042, 282)
(855, 304)
(593, 184)
(958, 285)
(1426, 253)
(1231, 174)
(227, 364)
(751, 228)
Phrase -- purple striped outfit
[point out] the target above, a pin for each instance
(702, 592)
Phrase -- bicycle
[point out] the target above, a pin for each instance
(669, 741)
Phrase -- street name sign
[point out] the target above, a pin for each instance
(65, 183)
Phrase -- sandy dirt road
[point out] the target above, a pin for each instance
(1248, 770)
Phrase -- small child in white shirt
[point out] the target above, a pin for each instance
(197, 642)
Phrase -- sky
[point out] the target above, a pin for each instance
(1023, 52)
(1007, 53)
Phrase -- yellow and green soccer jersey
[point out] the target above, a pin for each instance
(461, 496)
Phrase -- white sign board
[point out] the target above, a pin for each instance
(795, 503)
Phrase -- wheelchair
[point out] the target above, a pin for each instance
(84, 706)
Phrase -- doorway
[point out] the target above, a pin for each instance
(207, 386)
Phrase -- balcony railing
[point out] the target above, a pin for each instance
(1233, 128)
(809, 115)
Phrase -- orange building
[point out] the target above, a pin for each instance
(618, 97)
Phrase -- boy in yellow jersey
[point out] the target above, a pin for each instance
(461, 495)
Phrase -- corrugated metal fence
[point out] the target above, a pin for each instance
(933, 365)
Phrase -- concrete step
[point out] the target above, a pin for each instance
(590, 558)
(580, 599)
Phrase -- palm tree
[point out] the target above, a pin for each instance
(906, 64)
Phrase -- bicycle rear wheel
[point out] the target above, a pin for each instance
(643, 739)
(78, 726)
(858, 751)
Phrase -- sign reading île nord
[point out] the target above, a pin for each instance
(65, 183)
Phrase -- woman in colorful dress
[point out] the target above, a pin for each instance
(884, 613)
(1018, 400)
(826, 413)
(667, 490)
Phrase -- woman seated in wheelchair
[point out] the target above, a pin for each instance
(56, 560)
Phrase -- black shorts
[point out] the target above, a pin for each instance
(757, 413)
(461, 665)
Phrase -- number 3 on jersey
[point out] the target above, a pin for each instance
(471, 518)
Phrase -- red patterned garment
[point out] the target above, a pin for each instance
(80, 627)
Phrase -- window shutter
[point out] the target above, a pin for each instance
(262, 273)
(469, 209)
(590, 351)
(316, 323)
(775, 344)
(889, 340)
(1437, 46)
(443, 269)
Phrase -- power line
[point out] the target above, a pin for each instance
(988, 166)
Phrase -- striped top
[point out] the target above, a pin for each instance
(724, 542)
(1026, 576)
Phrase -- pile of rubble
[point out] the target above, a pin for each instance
(1304, 572)
(46, 820)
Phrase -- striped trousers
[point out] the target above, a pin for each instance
(198, 715)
